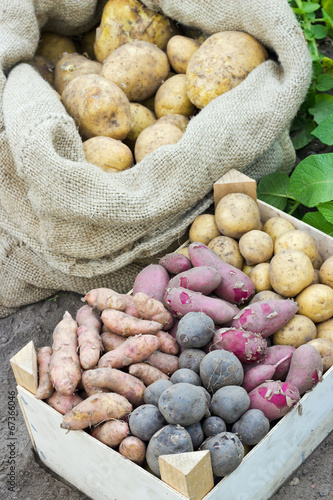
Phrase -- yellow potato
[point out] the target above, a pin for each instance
(221, 63)
(125, 21)
(227, 248)
(155, 136)
(260, 277)
(87, 43)
(108, 154)
(290, 272)
(266, 295)
(149, 103)
(318, 261)
(315, 277)
(326, 272)
(98, 106)
(52, 46)
(138, 68)
(70, 66)
(297, 240)
(203, 229)
(325, 349)
(325, 330)
(184, 251)
(275, 226)
(247, 269)
(171, 98)
(44, 67)
(180, 121)
(256, 247)
(299, 330)
(236, 214)
(316, 302)
(141, 118)
(179, 50)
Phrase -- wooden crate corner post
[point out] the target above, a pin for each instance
(234, 182)
(24, 366)
(189, 473)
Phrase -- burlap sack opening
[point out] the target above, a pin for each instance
(65, 224)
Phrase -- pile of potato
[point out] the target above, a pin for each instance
(133, 83)
(216, 341)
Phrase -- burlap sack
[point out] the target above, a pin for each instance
(67, 225)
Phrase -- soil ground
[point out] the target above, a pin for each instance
(33, 481)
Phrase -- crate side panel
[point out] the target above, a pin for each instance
(92, 467)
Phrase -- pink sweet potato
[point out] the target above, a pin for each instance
(147, 373)
(105, 298)
(111, 433)
(117, 381)
(96, 409)
(203, 279)
(265, 317)
(134, 350)
(274, 355)
(247, 346)
(123, 324)
(65, 369)
(152, 280)
(167, 363)
(88, 334)
(168, 343)
(111, 340)
(260, 373)
(175, 263)
(236, 287)
(63, 404)
(274, 398)
(152, 309)
(306, 368)
(134, 449)
(45, 387)
(180, 301)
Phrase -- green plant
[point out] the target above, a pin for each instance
(315, 117)
(310, 186)
(308, 192)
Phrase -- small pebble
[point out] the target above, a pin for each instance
(294, 481)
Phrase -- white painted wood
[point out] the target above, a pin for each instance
(101, 472)
(89, 465)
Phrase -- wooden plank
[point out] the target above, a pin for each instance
(234, 182)
(89, 465)
(189, 473)
(24, 366)
(92, 467)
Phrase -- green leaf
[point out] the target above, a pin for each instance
(324, 131)
(322, 108)
(319, 31)
(273, 189)
(326, 210)
(308, 34)
(310, 7)
(324, 82)
(327, 64)
(305, 136)
(310, 100)
(311, 182)
(316, 220)
(316, 69)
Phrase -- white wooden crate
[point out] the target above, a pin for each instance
(100, 472)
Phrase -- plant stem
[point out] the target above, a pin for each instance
(294, 207)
